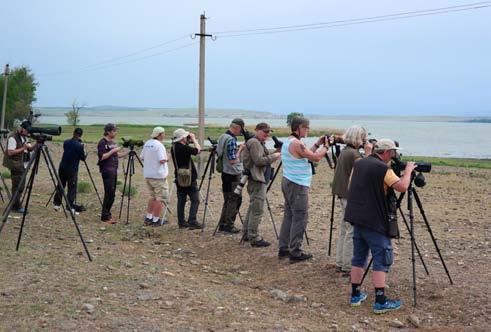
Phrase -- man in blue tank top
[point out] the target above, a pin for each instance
(297, 176)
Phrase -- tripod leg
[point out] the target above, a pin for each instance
(206, 201)
(430, 231)
(131, 162)
(366, 271)
(49, 162)
(58, 185)
(205, 171)
(6, 188)
(28, 197)
(124, 189)
(168, 201)
(50, 197)
(272, 218)
(306, 237)
(332, 223)
(415, 245)
(93, 183)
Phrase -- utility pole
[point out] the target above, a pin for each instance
(201, 102)
(4, 101)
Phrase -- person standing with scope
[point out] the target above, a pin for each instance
(73, 152)
(155, 171)
(185, 170)
(108, 153)
(257, 160)
(355, 137)
(229, 155)
(367, 209)
(16, 158)
(297, 177)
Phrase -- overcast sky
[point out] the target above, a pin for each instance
(439, 64)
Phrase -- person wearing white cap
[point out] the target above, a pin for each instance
(181, 153)
(155, 171)
(371, 189)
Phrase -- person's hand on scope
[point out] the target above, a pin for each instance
(192, 137)
(410, 166)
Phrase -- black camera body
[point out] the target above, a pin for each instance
(129, 142)
(277, 143)
(247, 135)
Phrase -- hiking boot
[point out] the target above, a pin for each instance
(282, 254)
(388, 305)
(111, 221)
(20, 210)
(195, 225)
(79, 208)
(185, 225)
(300, 258)
(228, 229)
(357, 300)
(159, 222)
(260, 244)
(148, 221)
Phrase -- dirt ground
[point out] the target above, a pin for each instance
(166, 279)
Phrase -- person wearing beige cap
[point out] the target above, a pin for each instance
(181, 152)
(257, 160)
(371, 188)
(155, 171)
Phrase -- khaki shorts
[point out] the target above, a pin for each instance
(159, 189)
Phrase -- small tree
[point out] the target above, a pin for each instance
(73, 117)
(292, 115)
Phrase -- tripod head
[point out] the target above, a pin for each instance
(41, 138)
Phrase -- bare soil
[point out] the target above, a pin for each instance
(166, 279)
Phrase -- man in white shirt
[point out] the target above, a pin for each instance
(155, 171)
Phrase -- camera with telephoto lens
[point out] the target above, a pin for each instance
(398, 166)
(247, 135)
(129, 142)
(38, 132)
(277, 143)
(243, 180)
(4, 133)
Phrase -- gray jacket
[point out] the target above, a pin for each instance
(228, 168)
(256, 157)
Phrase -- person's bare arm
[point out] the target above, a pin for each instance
(402, 185)
(298, 149)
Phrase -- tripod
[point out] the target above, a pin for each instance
(91, 179)
(128, 173)
(271, 211)
(33, 166)
(411, 193)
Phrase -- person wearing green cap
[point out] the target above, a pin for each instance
(229, 156)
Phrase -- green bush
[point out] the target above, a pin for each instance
(6, 174)
(84, 187)
(119, 182)
(127, 191)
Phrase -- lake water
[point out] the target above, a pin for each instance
(421, 138)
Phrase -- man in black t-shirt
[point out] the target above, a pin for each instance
(181, 153)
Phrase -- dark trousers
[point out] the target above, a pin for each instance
(16, 176)
(182, 195)
(231, 201)
(109, 180)
(69, 179)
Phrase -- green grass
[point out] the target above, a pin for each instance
(6, 174)
(93, 133)
(127, 191)
(84, 187)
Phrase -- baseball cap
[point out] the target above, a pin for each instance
(385, 144)
(264, 127)
(110, 127)
(179, 134)
(157, 131)
(239, 122)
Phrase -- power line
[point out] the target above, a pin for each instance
(110, 65)
(355, 21)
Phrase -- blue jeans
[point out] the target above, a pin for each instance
(365, 239)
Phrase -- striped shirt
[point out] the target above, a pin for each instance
(295, 169)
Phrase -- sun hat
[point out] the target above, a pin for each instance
(179, 134)
(264, 127)
(384, 144)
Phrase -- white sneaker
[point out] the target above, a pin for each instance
(74, 212)
(56, 207)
